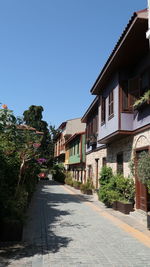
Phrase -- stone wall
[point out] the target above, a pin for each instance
(91, 161)
(124, 145)
(127, 146)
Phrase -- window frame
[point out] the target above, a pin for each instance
(122, 167)
(103, 110)
(111, 104)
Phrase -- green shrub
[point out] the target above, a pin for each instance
(105, 175)
(59, 173)
(115, 187)
(77, 184)
(144, 169)
(125, 188)
(108, 196)
(87, 186)
(68, 179)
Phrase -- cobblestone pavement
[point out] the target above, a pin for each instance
(67, 229)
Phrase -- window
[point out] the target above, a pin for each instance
(120, 163)
(134, 89)
(78, 148)
(125, 96)
(74, 149)
(89, 171)
(95, 124)
(104, 161)
(70, 151)
(103, 110)
(111, 103)
(145, 82)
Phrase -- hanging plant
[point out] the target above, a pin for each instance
(142, 101)
(144, 169)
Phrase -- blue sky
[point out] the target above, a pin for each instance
(53, 50)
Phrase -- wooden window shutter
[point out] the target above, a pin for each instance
(125, 98)
(94, 125)
(145, 81)
(134, 89)
(111, 103)
(103, 110)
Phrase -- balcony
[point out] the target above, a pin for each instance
(62, 149)
(92, 140)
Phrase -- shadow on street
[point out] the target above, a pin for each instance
(43, 216)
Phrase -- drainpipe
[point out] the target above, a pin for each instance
(148, 32)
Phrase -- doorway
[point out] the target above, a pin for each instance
(96, 161)
(142, 195)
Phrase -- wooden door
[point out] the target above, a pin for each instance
(96, 161)
(142, 196)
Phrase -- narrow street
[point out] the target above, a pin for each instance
(65, 228)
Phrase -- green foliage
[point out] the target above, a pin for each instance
(76, 184)
(132, 167)
(58, 172)
(68, 179)
(144, 169)
(115, 187)
(107, 195)
(142, 100)
(33, 117)
(105, 175)
(87, 186)
(18, 167)
(125, 187)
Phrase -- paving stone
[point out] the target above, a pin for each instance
(63, 230)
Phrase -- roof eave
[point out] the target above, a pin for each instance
(94, 103)
(137, 15)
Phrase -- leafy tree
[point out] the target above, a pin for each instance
(54, 132)
(18, 166)
(33, 117)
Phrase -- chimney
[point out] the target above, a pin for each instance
(148, 32)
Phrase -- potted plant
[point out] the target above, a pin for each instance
(126, 191)
(116, 191)
(87, 187)
(124, 206)
(68, 179)
(76, 184)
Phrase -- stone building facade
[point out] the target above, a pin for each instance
(94, 162)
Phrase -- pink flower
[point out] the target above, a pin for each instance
(36, 145)
(41, 160)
